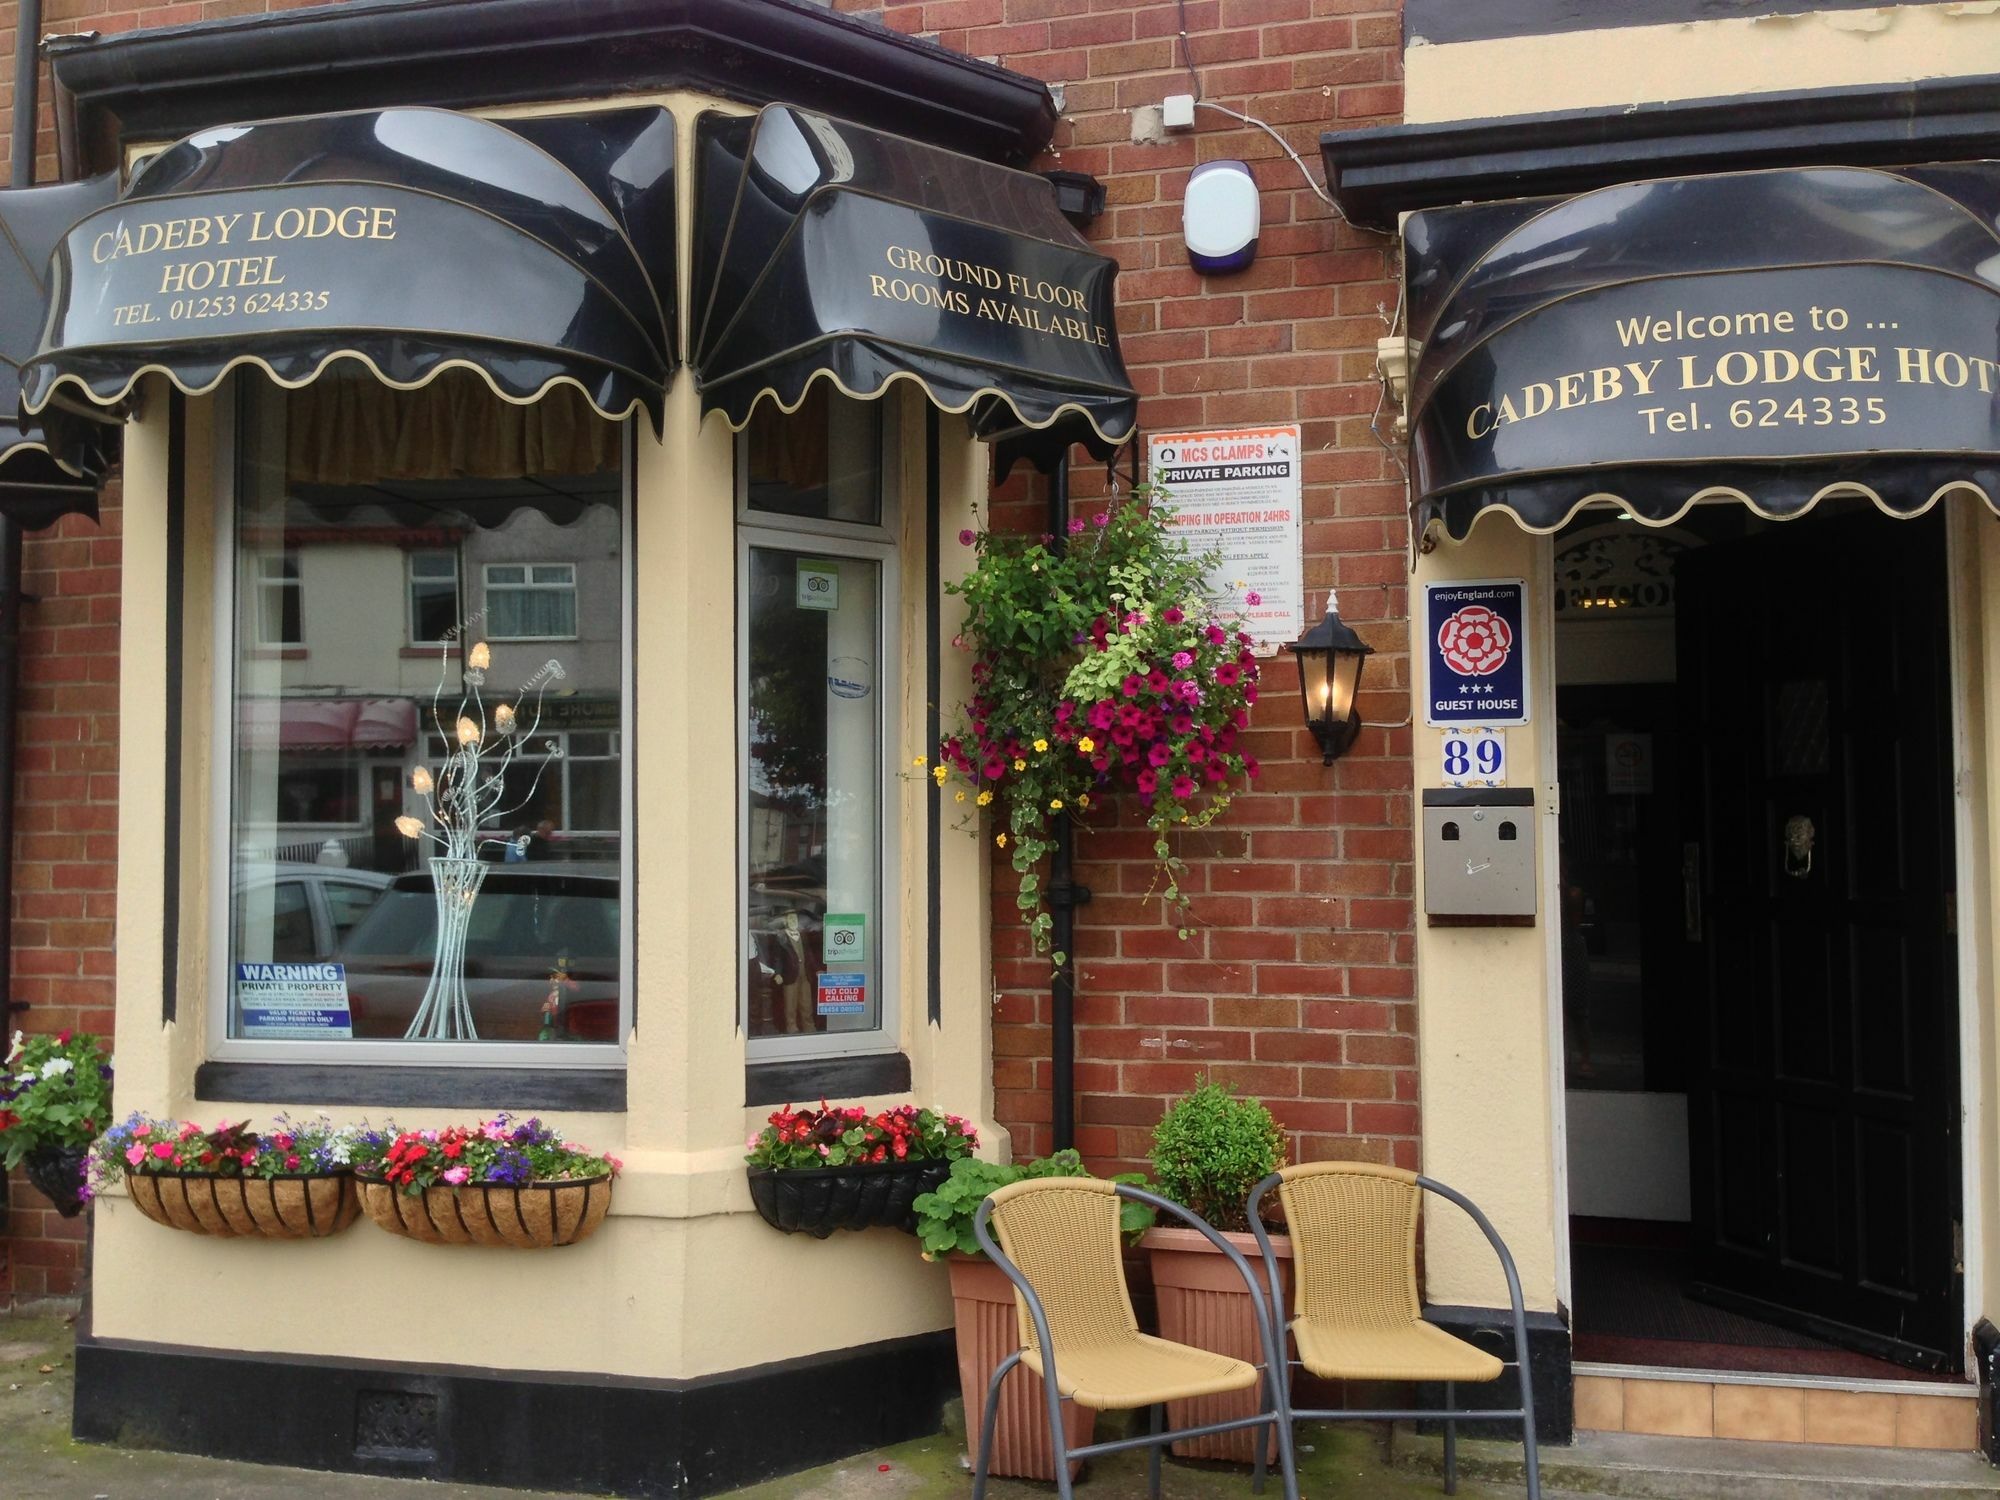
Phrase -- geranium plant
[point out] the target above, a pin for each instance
(55, 1093)
(945, 1215)
(502, 1151)
(166, 1148)
(847, 1135)
(1106, 667)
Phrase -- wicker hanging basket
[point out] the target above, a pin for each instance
(292, 1206)
(532, 1216)
(819, 1200)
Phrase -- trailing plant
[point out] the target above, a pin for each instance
(1211, 1148)
(55, 1091)
(168, 1148)
(847, 1135)
(1106, 667)
(944, 1217)
(500, 1152)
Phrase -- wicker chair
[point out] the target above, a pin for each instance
(1358, 1312)
(1059, 1245)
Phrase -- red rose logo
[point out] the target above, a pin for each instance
(1475, 641)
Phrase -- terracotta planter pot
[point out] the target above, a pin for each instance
(1202, 1301)
(868, 1195)
(533, 1216)
(982, 1299)
(302, 1206)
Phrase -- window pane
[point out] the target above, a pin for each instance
(814, 776)
(823, 460)
(327, 750)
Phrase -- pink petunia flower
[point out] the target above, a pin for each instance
(1253, 598)
(1147, 782)
(1183, 787)
(455, 1175)
(135, 1154)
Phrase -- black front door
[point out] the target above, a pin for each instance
(1819, 917)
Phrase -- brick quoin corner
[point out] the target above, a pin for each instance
(1297, 983)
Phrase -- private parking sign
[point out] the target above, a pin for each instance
(1476, 653)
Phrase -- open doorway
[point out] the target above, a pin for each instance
(1758, 953)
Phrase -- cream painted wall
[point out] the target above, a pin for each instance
(1698, 59)
(1482, 997)
(684, 1279)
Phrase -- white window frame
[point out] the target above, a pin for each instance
(861, 542)
(294, 583)
(410, 591)
(529, 584)
(389, 1052)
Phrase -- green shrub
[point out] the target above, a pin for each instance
(944, 1218)
(1211, 1148)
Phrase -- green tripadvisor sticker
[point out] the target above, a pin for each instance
(844, 936)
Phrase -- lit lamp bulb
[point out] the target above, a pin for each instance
(468, 732)
(503, 719)
(420, 780)
(409, 827)
(480, 658)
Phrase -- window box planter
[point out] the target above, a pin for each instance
(291, 1206)
(56, 1172)
(819, 1200)
(527, 1216)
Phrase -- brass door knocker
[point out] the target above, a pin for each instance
(1799, 834)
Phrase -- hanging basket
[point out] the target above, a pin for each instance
(56, 1172)
(292, 1206)
(819, 1200)
(532, 1216)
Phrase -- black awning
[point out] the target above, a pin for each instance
(1773, 337)
(412, 241)
(38, 486)
(827, 250)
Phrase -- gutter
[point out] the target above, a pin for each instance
(164, 83)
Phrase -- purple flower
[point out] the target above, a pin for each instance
(1076, 528)
(965, 538)
(1253, 597)
(1183, 660)
(1101, 519)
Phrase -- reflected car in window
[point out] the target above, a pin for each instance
(541, 954)
(310, 909)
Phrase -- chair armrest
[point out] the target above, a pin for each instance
(1273, 1354)
(982, 1230)
(1255, 1211)
(1500, 1249)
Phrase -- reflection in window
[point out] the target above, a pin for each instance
(530, 601)
(433, 597)
(360, 546)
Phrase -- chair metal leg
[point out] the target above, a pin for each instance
(1534, 1458)
(986, 1425)
(1056, 1444)
(1263, 1442)
(1450, 1442)
(1153, 1454)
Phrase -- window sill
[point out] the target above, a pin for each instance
(276, 653)
(796, 1079)
(436, 648)
(585, 1090)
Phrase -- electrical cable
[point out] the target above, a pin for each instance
(1285, 146)
(1187, 52)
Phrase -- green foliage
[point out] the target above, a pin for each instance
(54, 1091)
(1106, 668)
(944, 1218)
(1211, 1148)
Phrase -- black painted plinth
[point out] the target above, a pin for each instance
(1554, 1384)
(599, 1435)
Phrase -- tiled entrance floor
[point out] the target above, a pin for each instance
(1774, 1409)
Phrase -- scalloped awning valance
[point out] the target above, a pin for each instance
(1772, 337)
(828, 251)
(409, 241)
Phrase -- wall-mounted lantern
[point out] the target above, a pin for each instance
(1330, 656)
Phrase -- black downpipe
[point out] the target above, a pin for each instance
(26, 62)
(1065, 896)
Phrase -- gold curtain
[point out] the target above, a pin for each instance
(349, 428)
(791, 450)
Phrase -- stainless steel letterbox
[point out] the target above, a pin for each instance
(1479, 852)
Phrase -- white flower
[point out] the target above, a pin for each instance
(56, 1065)
(342, 1149)
(14, 1046)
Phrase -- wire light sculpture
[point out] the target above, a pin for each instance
(464, 796)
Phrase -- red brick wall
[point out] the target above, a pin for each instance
(1297, 983)
(66, 818)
